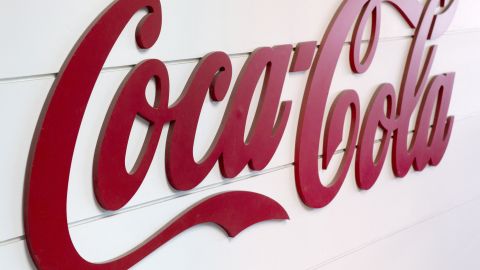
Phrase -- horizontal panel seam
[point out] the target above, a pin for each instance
(179, 194)
(196, 59)
(353, 250)
(392, 234)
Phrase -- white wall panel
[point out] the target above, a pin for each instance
(45, 31)
(448, 241)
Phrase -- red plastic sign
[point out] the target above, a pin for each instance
(52, 149)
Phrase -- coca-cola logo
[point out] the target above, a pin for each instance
(52, 149)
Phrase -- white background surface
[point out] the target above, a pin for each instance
(427, 220)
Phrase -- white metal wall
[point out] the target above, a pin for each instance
(427, 220)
